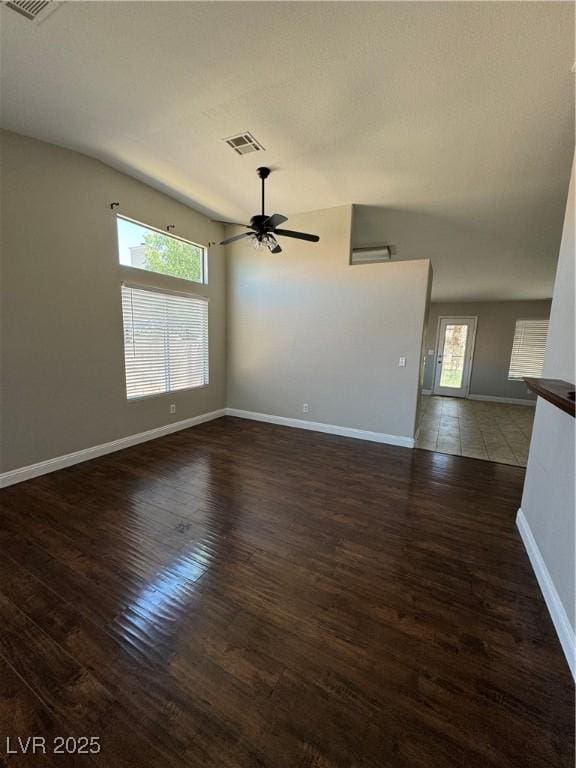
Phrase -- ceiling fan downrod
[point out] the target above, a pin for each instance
(263, 173)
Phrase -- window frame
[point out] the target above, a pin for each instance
(204, 248)
(168, 291)
(520, 379)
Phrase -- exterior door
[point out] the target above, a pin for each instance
(454, 351)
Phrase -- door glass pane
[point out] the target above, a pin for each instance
(453, 356)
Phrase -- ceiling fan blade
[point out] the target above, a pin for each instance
(229, 223)
(297, 235)
(273, 221)
(273, 245)
(236, 237)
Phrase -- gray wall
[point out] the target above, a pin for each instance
(469, 256)
(306, 327)
(63, 386)
(548, 501)
(494, 337)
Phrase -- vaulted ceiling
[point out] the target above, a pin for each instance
(450, 125)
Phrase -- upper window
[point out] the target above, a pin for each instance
(528, 349)
(165, 341)
(147, 248)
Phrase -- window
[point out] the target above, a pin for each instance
(165, 341)
(147, 248)
(528, 349)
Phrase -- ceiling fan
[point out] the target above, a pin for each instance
(262, 228)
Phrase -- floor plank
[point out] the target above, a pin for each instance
(246, 595)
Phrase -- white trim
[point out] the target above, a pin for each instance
(494, 399)
(557, 612)
(52, 465)
(331, 429)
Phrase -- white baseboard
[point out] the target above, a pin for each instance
(510, 400)
(331, 429)
(60, 462)
(562, 625)
(21, 474)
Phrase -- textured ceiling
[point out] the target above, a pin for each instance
(449, 124)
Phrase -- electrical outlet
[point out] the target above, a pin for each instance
(172, 407)
(305, 408)
(402, 362)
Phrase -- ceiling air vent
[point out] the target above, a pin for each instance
(244, 143)
(34, 10)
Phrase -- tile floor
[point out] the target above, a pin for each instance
(481, 430)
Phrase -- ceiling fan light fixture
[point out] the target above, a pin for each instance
(263, 241)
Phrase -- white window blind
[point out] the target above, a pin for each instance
(165, 341)
(528, 348)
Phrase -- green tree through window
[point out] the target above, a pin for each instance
(170, 256)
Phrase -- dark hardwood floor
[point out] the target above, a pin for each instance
(242, 595)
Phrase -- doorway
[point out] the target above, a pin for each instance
(454, 353)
